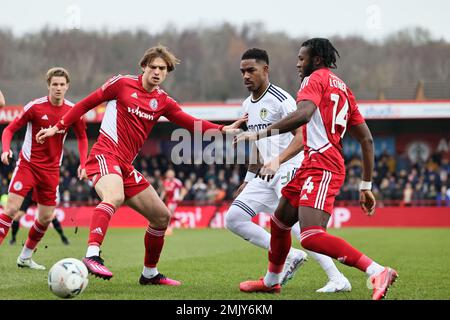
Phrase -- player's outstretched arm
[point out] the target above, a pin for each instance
(234, 127)
(176, 115)
(291, 151)
(362, 133)
(46, 133)
(294, 120)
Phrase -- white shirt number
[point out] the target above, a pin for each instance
(340, 118)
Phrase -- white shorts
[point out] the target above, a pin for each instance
(262, 196)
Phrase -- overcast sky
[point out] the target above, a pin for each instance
(373, 19)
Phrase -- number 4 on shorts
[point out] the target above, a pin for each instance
(308, 185)
(137, 176)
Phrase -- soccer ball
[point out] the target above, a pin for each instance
(68, 278)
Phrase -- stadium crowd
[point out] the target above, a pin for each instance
(397, 181)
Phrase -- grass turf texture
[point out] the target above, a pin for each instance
(211, 263)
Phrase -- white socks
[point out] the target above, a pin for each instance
(272, 279)
(149, 272)
(26, 253)
(327, 265)
(374, 269)
(92, 251)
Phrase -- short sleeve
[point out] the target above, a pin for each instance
(311, 89)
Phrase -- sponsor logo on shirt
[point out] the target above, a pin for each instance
(134, 95)
(44, 117)
(258, 126)
(140, 113)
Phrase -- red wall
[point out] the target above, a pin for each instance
(205, 216)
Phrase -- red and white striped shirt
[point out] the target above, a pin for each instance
(336, 110)
(130, 115)
(40, 114)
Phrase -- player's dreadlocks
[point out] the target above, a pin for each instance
(324, 49)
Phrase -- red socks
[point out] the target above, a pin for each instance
(5, 224)
(154, 241)
(35, 234)
(280, 244)
(318, 240)
(99, 223)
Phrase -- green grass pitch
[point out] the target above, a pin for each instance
(211, 263)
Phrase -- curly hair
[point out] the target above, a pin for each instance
(323, 48)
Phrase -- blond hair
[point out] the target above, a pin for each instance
(159, 52)
(57, 72)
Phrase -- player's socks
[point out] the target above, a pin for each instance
(15, 225)
(5, 224)
(280, 245)
(327, 265)
(92, 251)
(57, 226)
(324, 261)
(26, 253)
(149, 272)
(272, 278)
(37, 231)
(318, 240)
(154, 241)
(374, 269)
(99, 223)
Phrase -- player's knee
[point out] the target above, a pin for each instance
(234, 218)
(45, 221)
(116, 199)
(161, 220)
(230, 222)
(11, 210)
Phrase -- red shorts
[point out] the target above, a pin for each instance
(314, 188)
(102, 164)
(45, 183)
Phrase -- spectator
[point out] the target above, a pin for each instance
(200, 189)
(408, 194)
(443, 197)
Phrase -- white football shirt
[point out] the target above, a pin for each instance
(272, 106)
